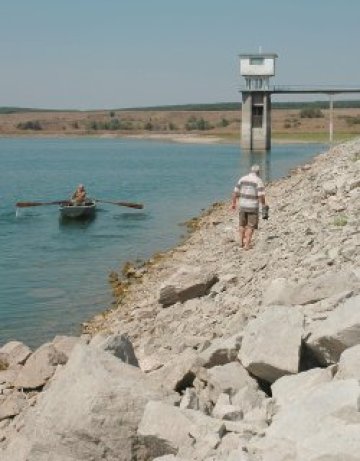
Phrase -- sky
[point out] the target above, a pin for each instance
(108, 54)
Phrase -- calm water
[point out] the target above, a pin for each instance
(53, 275)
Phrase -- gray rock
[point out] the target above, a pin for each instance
(165, 429)
(227, 379)
(189, 400)
(279, 291)
(9, 375)
(329, 188)
(16, 352)
(283, 292)
(65, 344)
(340, 330)
(12, 405)
(248, 398)
(271, 343)
(117, 344)
(290, 388)
(221, 351)
(224, 410)
(314, 412)
(91, 411)
(39, 368)
(349, 364)
(178, 373)
(186, 283)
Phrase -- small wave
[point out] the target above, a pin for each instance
(131, 217)
(108, 236)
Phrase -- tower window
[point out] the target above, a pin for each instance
(256, 61)
(257, 116)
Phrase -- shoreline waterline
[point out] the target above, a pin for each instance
(181, 138)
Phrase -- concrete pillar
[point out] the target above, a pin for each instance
(246, 115)
(256, 120)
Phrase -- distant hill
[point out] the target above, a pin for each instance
(21, 110)
(216, 107)
(228, 106)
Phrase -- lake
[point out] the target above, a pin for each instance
(54, 275)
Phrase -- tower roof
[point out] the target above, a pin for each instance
(258, 55)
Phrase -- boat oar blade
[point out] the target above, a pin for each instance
(29, 204)
(138, 206)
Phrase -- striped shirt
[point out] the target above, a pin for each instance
(249, 188)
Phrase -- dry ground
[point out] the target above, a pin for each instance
(286, 124)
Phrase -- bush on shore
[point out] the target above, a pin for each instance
(30, 125)
(311, 112)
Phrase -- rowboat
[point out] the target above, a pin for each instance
(69, 211)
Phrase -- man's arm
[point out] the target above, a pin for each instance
(261, 192)
(234, 200)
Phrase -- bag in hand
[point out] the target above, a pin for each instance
(265, 212)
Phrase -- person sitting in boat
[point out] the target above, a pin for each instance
(79, 196)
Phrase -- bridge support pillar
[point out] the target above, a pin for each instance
(256, 120)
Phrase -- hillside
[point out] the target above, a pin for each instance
(289, 121)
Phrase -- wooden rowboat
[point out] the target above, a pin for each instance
(69, 211)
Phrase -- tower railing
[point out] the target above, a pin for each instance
(325, 89)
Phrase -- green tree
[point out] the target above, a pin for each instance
(311, 112)
(148, 125)
(30, 125)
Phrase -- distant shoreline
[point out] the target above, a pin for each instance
(181, 138)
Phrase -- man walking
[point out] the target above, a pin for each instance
(250, 191)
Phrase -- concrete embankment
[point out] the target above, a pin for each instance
(214, 353)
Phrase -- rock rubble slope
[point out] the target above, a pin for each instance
(214, 353)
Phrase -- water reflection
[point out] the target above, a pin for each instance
(261, 158)
(66, 223)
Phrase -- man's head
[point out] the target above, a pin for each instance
(255, 169)
(81, 187)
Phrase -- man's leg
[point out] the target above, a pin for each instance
(253, 221)
(242, 227)
(242, 235)
(248, 236)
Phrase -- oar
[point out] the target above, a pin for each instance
(128, 204)
(28, 204)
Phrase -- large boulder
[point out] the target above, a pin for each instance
(39, 368)
(16, 352)
(281, 291)
(221, 351)
(225, 379)
(12, 405)
(339, 331)
(189, 434)
(187, 283)
(271, 343)
(65, 344)
(325, 286)
(289, 388)
(323, 424)
(90, 411)
(165, 429)
(118, 345)
(349, 364)
(179, 372)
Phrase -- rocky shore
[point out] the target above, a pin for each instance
(213, 353)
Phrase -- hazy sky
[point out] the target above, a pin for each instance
(90, 54)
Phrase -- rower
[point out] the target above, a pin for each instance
(79, 196)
